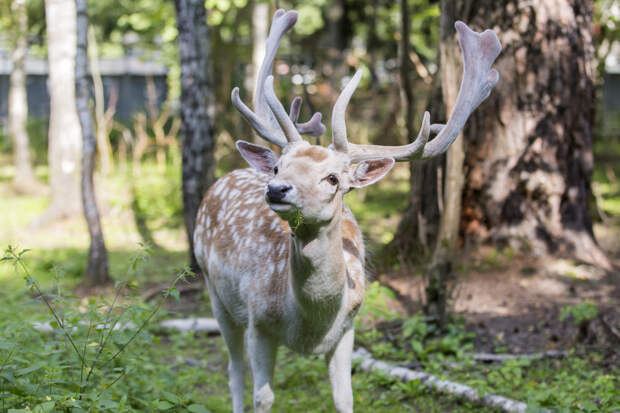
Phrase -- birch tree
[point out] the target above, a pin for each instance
(97, 267)
(64, 126)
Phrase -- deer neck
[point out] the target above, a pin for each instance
(318, 268)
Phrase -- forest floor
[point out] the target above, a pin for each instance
(504, 303)
(516, 303)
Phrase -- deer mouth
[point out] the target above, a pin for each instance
(279, 205)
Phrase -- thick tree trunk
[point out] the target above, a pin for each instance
(24, 180)
(97, 268)
(64, 126)
(196, 110)
(530, 147)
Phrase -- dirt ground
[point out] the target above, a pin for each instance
(515, 305)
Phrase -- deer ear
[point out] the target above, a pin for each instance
(260, 158)
(369, 172)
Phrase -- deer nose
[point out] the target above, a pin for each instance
(277, 192)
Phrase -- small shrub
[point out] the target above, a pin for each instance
(76, 364)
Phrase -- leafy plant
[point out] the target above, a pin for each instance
(580, 313)
(76, 364)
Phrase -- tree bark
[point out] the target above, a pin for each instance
(64, 126)
(196, 110)
(97, 267)
(442, 266)
(24, 179)
(530, 147)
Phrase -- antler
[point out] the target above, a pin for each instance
(479, 52)
(262, 119)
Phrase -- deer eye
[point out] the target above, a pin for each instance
(332, 179)
(275, 170)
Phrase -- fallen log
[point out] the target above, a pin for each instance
(442, 386)
(192, 324)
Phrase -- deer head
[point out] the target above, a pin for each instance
(310, 180)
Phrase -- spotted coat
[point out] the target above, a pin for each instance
(243, 248)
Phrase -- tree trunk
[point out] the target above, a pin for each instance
(97, 268)
(24, 180)
(64, 126)
(530, 148)
(441, 270)
(196, 110)
(418, 226)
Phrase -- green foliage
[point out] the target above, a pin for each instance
(580, 313)
(297, 221)
(158, 198)
(75, 366)
(563, 385)
(574, 384)
(310, 19)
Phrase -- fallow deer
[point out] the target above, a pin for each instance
(282, 254)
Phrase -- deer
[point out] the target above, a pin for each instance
(282, 254)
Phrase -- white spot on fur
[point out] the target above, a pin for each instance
(269, 269)
(280, 266)
(219, 188)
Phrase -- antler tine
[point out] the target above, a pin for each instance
(479, 52)
(339, 125)
(313, 127)
(262, 119)
(264, 129)
(293, 112)
(287, 125)
(281, 23)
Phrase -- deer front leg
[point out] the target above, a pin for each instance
(262, 354)
(233, 336)
(339, 367)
